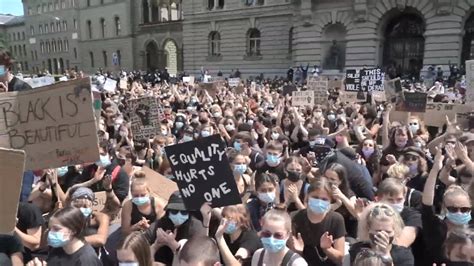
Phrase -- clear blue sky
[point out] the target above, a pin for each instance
(14, 7)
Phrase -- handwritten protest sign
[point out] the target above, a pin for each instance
(12, 166)
(352, 80)
(319, 85)
(123, 84)
(145, 115)
(372, 79)
(436, 112)
(55, 125)
(302, 98)
(393, 90)
(203, 173)
(470, 81)
(234, 82)
(413, 102)
(159, 185)
(110, 85)
(99, 202)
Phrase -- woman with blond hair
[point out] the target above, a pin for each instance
(379, 227)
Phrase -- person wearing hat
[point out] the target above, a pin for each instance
(97, 223)
(414, 158)
(177, 224)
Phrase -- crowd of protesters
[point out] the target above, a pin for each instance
(334, 184)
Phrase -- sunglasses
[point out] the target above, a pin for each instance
(413, 124)
(266, 234)
(458, 209)
(411, 157)
(378, 210)
(175, 212)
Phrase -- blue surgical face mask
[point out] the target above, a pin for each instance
(86, 211)
(57, 239)
(459, 218)
(318, 206)
(140, 201)
(237, 146)
(268, 197)
(179, 125)
(273, 160)
(413, 168)
(62, 171)
(171, 177)
(273, 245)
(205, 133)
(104, 161)
(240, 168)
(231, 228)
(178, 219)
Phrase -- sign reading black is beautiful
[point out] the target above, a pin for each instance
(203, 173)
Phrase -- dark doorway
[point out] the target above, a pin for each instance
(152, 56)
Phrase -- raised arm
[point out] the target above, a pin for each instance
(429, 190)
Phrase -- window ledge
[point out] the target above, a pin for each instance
(214, 58)
(253, 57)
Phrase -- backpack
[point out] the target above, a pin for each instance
(288, 260)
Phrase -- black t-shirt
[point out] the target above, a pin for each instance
(311, 234)
(10, 245)
(279, 171)
(413, 199)
(434, 235)
(249, 240)
(85, 256)
(255, 159)
(17, 84)
(191, 227)
(401, 256)
(29, 216)
(412, 217)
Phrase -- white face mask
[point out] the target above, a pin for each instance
(398, 207)
(128, 264)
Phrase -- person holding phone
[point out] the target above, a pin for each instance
(8, 82)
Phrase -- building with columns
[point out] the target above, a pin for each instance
(254, 36)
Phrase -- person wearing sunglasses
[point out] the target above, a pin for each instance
(319, 231)
(166, 233)
(276, 231)
(456, 207)
(414, 158)
(380, 227)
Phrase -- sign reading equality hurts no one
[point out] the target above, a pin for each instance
(202, 172)
(55, 124)
(145, 115)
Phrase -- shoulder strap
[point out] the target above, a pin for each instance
(115, 173)
(260, 259)
(287, 258)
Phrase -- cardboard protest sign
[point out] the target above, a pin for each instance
(352, 80)
(203, 173)
(288, 89)
(319, 85)
(372, 79)
(110, 85)
(393, 90)
(12, 166)
(302, 98)
(413, 102)
(123, 84)
(145, 115)
(99, 202)
(436, 112)
(55, 125)
(470, 81)
(234, 82)
(159, 185)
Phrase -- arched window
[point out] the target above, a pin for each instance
(40, 29)
(52, 27)
(89, 29)
(210, 4)
(48, 47)
(66, 45)
(46, 28)
(54, 45)
(32, 30)
(58, 26)
(145, 11)
(174, 11)
(91, 58)
(42, 47)
(253, 42)
(60, 46)
(64, 25)
(117, 26)
(102, 27)
(104, 56)
(220, 4)
(214, 44)
(164, 14)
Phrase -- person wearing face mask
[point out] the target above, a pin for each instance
(293, 188)
(273, 161)
(379, 229)
(134, 250)
(178, 221)
(206, 131)
(8, 81)
(275, 233)
(369, 151)
(65, 236)
(243, 144)
(93, 173)
(236, 239)
(142, 210)
(266, 186)
(456, 209)
(414, 158)
(179, 126)
(319, 233)
(418, 129)
(238, 163)
(392, 192)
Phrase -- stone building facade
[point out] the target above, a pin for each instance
(12, 29)
(254, 36)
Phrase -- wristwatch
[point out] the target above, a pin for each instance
(387, 259)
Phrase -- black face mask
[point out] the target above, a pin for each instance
(294, 176)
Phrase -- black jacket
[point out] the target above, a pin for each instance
(17, 84)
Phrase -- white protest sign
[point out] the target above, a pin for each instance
(12, 166)
(55, 125)
(319, 85)
(234, 82)
(302, 98)
(189, 80)
(110, 85)
(39, 82)
(470, 81)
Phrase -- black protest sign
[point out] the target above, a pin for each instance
(288, 89)
(352, 80)
(145, 116)
(413, 102)
(372, 79)
(202, 172)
